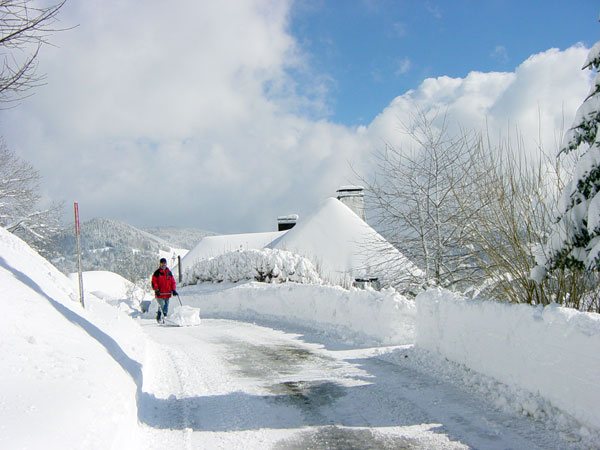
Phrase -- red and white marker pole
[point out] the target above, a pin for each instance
(78, 237)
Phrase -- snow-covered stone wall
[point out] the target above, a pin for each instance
(550, 351)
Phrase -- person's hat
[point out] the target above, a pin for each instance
(163, 260)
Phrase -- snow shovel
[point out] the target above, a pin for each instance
(185, 316)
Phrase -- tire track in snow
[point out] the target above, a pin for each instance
(158, 407)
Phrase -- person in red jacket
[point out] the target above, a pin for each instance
(163, 284)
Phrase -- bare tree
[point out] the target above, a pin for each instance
(509, 209)
(23, 29)
(19, 199)
(472, 214)
(413, 204)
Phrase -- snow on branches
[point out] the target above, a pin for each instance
(574, 241)
(266, 265)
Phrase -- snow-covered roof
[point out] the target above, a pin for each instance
(342, 245)
(334, 238)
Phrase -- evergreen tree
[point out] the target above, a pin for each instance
(574, 241)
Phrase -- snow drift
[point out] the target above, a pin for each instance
(545, 350)
(62, 372)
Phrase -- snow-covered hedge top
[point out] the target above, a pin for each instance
(269, 265)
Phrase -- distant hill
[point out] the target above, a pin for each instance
(108, 244)
(180, 237)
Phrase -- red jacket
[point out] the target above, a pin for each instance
(164, 281)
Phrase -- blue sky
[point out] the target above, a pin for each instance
(374, 50)
(225, 115)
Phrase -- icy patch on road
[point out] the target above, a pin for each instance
(335, 437)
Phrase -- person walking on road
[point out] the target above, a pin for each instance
(163, 284)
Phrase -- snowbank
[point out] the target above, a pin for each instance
(109, 286)
(357, 316)
(549, 351)
(68, 377)
(262, 265)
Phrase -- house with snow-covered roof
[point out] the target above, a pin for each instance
(335, 237)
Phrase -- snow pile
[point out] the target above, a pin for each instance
(111, 287)
(262, 265)
(549, 351)
(114, 290)
(343, 246)
(68, 375)
(184, 316)
(355, 315)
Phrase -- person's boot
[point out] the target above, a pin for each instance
(158, 316)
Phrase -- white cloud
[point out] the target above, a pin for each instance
(500, 54)
(537, 99)
(145, 106)
(404, 66)
(186, 115)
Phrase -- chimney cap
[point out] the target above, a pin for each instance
(343, 189)
(288, 218)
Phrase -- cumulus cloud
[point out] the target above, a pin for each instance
(536, 101)
(186, 106)
(188, 115)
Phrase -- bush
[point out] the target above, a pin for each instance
(266, 265)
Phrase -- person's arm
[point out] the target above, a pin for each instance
(173, 285)
(155, 286)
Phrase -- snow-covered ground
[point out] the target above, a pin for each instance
(281, 366)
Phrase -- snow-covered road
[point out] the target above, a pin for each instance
(230, 384)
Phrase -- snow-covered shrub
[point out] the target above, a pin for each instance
(267, 265)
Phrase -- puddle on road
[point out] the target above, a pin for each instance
(339, 438)
(307, 393)
(261, 361)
